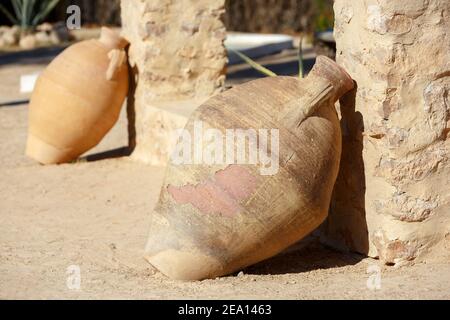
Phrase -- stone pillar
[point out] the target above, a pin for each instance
(392, 196)
(178, 55)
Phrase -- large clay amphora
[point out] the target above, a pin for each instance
(222, 210)
(77, 99)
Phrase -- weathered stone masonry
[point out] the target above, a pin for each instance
(392, 196)
(179, 58)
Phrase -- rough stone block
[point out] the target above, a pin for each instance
(177, 53)
(392, 198)
(157, 135)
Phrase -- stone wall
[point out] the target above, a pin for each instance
(392, 196)
(178, 56)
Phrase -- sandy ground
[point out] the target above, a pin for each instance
(95, 215)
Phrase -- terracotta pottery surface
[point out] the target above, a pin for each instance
(77, 99)
(213, 219)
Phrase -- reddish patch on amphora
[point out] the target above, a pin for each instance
(220, 195)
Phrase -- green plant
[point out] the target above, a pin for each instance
(255, 65)
(301, 67)
(28, 13)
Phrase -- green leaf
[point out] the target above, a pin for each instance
(8, 14)
(30, 10)
(27, 13)
(254, 64)
(44, 11)
(301, 67)
(17, 5)
(24, 13)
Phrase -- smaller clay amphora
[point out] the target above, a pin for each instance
(77, 99)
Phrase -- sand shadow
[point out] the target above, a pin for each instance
(309, 258)
(346, 226)
(14, 103)
(133, 82)
(111, 154)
